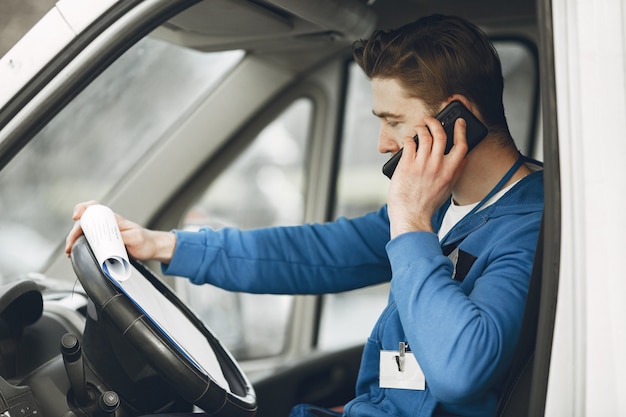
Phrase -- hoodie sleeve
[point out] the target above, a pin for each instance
(307, 259)
(463, 337)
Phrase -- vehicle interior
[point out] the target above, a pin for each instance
(189, 114)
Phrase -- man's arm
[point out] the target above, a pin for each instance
(463, 337)
(307, 259)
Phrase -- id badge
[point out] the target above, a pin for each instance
(399, 369)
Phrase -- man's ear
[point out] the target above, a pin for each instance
(466, 103)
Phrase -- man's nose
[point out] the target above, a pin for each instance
(387, 144)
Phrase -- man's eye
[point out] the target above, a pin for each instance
(392, 123)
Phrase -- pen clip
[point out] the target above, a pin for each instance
(400, 356)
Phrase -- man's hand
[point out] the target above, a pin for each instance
(141, 243)
(424, 179)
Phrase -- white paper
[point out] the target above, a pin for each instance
(104, 237)
(410, 377)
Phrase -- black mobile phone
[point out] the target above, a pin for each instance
(475, 132)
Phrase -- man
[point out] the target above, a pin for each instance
(456, 239)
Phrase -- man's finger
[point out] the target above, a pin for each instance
(460, 137)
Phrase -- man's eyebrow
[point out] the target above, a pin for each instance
(384, 114)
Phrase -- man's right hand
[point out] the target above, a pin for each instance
(141, 243)
(425, 176)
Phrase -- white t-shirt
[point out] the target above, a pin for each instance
(455, 213)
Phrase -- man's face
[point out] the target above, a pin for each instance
(398, 113)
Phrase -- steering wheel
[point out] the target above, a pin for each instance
(223, 390)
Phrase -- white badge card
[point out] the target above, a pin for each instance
(399, 369)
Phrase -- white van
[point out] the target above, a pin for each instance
(187, 113)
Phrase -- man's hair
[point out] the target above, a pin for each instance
(435, 57)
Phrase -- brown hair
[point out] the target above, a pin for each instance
(435, 57)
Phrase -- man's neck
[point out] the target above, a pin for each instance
(485, 167)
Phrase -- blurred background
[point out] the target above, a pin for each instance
(17, 16)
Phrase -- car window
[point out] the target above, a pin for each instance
(93, 142)
(347, 318)
(264, 186)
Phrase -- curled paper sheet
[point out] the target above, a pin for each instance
(104, 237)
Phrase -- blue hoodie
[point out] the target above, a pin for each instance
(458, 304)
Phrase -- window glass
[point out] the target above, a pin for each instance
(519, 67)
(361, 186)
(93, 142)
(348, 318)
(264, 186)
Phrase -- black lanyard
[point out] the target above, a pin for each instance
(493, 191)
